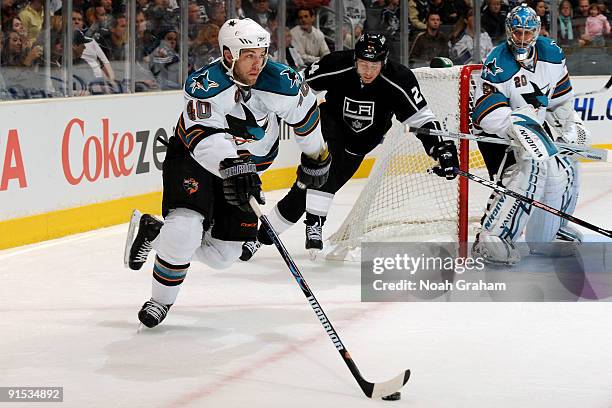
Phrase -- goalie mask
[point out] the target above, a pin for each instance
(237, 35)
(372, 47)
(522, 30)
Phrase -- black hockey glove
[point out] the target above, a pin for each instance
(240, 182)
(313, 173)
(446, 155)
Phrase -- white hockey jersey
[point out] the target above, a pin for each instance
(219, 119)
(506, 85)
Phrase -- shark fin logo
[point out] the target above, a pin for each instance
(245, 130)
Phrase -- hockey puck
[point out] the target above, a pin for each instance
(393, 397)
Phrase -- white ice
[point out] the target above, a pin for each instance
(246, 337)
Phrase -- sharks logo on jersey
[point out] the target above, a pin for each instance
(246, 130)
(537, 98)
(292, 75)
(202, 82)
(492, 67)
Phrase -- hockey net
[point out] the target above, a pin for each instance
(401, 201)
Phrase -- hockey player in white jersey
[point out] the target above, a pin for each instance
(526, 95)
(227, 133)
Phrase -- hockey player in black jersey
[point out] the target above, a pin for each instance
(364, 92)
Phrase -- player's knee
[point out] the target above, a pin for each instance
(218, 254)
(180, 236)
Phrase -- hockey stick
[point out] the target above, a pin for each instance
(565, 149)
(371, 390)
(602, 90)
(531, 201)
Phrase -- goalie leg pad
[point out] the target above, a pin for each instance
(506, 217)
(560, 193)
(495, 250)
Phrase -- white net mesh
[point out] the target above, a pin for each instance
(401, 201)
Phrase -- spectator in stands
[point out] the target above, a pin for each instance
(115, 43)
(430, 43)
(84, 79)
(195, 21)
(390, 19)
(308, 41)
(353, 20)
(261, 13)
(597, 26)
(462, 41)
(445, 9)
(293, 58)
(580, 16)
(165, 60)
(4, 91)
(493, 20)
(16, 55)
(32, 17)
(418, 10)
(145, 40)
(160, 14)
(8, 10)
(238, 9)
(541, 9)
(99, 23)
(93, 53)
(567, 34)
(205, 47)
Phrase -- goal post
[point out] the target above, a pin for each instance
(401, 201)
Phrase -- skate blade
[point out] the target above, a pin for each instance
(134, 221)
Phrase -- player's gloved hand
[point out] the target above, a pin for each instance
(313, 173)
(446, 155)
(240, 182)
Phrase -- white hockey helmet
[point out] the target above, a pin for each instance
(237, 35)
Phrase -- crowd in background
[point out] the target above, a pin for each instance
(32, 58)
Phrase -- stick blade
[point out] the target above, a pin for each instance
(389, 387)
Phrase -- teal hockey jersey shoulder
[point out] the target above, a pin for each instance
(279, 78)
(549, 51)
(500, 65)
(208, 81)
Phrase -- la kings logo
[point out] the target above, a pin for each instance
(359, 115)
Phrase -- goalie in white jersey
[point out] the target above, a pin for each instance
(227, 133)
(525, 95)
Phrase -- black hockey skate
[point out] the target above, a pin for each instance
(137, 250)
(248, 250)
(153, 313)
(314, 234)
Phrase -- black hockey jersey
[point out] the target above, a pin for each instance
(364, 111)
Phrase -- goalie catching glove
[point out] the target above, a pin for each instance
(240, 182)
(445, 153)
(313, 172)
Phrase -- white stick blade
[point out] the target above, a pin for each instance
(389, 387)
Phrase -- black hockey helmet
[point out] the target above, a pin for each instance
(372, 47)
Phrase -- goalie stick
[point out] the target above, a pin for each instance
(602, 90)
(565, 149)
(531, 201)
(371, 390)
